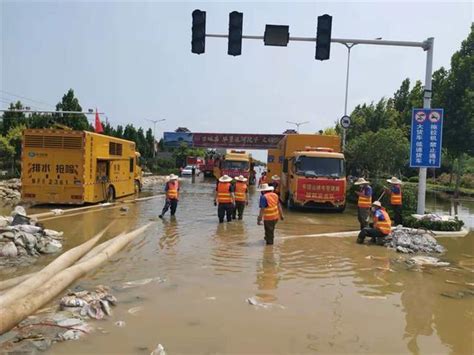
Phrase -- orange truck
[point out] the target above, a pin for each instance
(312, 172)
(233, 163)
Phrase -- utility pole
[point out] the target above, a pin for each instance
(420, 209)
(298, 124)
(154, 133)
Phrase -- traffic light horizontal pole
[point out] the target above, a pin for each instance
(379, 42)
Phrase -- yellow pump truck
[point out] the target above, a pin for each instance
(77, 167)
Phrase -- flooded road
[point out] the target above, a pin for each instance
(324, 294)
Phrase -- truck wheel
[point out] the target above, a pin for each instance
(341, 209)
(110, 194)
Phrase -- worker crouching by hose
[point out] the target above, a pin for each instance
(172, 195)
(364, 202)
(241, 196)
(380, 228)
(395, 192)
(224, 198)
(270, 212)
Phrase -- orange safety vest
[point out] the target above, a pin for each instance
(271, 212)
(364, 201)
(383, 226)
(396, 199)
(223, 194)
(172, 193)
(241, 191)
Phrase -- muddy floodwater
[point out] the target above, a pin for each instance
(322, 294)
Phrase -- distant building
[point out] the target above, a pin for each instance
(182, 130)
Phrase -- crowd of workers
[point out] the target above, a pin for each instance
(232, 196)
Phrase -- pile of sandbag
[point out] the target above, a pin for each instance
(433, 217)
(154, 179)
(21, 236)
(407, 240)
(93, 304)
(10, 192)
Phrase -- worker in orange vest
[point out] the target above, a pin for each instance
(172, 195)
(380, 228)
(263, 179)
(224, 198)
(364, 202)
(241, 192)
(270, 212)
(395, 193)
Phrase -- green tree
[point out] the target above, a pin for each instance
(141, 143)
(119, 131)
(130, 133)
(455, 93)
(150, 142)
(76, 121)
(12, 119)
(384, 152)
(372, 118)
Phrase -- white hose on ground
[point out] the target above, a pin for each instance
(6, 284)
(23, 307)
(60, 263)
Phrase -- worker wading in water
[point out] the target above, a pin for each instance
(364, 202)
(263, 179)
(270, 212)
(172, 195)
(395, 192)
(241, 193)
(276, 184)
(224, 198)
(380, 228)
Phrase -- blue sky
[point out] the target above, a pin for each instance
(133, 59)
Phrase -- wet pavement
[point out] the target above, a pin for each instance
(327, 295)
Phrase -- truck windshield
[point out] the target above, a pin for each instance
(232, 164)
(316, 167)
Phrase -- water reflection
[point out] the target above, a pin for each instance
(228, 248)
(267, 272)
(170, 237)
(418, 304)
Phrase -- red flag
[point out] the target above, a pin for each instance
(98, 124)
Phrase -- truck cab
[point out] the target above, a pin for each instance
(233, 164)
(314, 178)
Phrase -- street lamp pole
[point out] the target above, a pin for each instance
(154, 133)
(297, 124)
(348, 46)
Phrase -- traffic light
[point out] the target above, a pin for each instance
(198, 43)
(276, 35)
(235, 33)
(323, 37)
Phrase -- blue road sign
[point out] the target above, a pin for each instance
(426, 138)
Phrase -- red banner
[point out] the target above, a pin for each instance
(231, 140)
(320, 190)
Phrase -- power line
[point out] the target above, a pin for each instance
(26, 98)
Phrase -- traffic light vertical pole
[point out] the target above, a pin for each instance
(420, 209)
